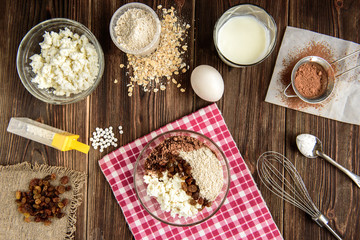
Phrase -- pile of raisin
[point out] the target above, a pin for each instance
(42, 202)
(183, 168)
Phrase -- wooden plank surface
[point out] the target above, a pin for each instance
(255, 125)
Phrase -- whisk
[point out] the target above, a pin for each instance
(273, 169)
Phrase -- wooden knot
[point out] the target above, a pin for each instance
(330, 214)
(339, 3)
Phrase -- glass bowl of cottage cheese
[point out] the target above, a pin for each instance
(60, 61)
(181, 178)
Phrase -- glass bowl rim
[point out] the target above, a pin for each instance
(227, 169)
(55, 99)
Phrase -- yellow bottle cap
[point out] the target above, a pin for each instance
(66, 142)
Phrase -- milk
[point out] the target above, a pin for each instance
(243, 40)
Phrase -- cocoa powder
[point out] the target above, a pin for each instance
(169, 149)
(311, 80)
(320, 49)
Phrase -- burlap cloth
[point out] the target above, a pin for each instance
(17, 177)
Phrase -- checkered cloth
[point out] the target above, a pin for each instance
(244, 214)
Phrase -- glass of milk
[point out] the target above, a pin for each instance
(244, 35)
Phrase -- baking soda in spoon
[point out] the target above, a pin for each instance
(306, 144)
(45, 134)
(311, 147)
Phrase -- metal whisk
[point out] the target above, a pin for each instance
(280, 176)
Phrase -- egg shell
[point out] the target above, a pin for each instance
(207, 83)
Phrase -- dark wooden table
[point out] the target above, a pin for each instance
(255, 125)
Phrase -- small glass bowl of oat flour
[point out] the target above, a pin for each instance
(135, 29)
(181, 178)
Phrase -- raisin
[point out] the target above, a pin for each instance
(48, 212)
(36, 206)
(189, 180)
(192, 202)
(34, 182)
(47, 222)
(47, 178)
(18, 195)
(60, 215)
(61, 189)
(37, 196)
(193, 188)
(195, 195)
(65, 201)
(181, 168)
(53, 176)
(64, 180)
(184, 186)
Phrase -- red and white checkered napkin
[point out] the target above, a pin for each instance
(244, 214)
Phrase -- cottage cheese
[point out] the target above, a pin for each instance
(68, 63)
(170, 196)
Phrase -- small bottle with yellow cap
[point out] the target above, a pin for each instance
(45, 134)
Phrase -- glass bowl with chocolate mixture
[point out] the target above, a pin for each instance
(189, 172)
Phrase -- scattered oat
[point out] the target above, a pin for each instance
(162, 87)
(115, 81)
(179, 85)
(182, 89)
(156, 90)
(174, 81)
(159, 6)
(151, 72)
(183, 70)
(122, 65)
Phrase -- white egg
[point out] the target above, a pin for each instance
(207, 83)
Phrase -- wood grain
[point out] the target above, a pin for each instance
(255, 125)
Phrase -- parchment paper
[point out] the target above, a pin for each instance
(344, 103)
